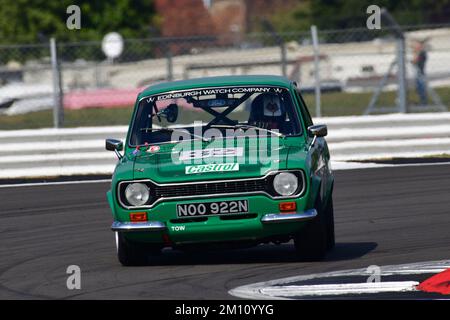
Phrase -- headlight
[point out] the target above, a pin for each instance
(137, 194)
(285, 183)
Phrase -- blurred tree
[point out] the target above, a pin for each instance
(25, 21)
(257, 10)
(297, 18)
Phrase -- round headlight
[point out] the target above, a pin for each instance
(285, 183)
(137, 194)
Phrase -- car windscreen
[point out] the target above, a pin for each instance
(266, 108)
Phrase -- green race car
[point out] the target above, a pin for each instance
(221, 161)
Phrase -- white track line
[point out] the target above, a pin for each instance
(38, 184)
(56, 171)
(340, 289)
(64, 131)
(389, 132)
(384, 118)
(347, 145)
(54, 145)
(343, 165)
(59, 157)
(270, 289)
(386, 155)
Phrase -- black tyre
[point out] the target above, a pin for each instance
(133, 254)
(311, 241)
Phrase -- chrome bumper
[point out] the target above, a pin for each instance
(300, 216)
(138, 226)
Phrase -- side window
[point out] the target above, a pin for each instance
(304, 110)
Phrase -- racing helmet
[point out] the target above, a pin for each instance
(267, 111)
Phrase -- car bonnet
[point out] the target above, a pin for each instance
(208, 161)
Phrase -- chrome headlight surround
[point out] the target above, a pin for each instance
(137, 194)
(285, 184)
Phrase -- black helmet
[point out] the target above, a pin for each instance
(267, 107)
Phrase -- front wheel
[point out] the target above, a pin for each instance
(131, 253)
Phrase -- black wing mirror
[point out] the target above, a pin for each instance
(114, 145)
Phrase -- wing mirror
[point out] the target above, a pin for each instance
(114, 145)
(317, 131)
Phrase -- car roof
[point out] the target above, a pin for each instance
(216, 82)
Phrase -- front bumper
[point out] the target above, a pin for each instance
(299, 216)
(269, 218)
(138, 226)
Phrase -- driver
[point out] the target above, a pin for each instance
(267, 112)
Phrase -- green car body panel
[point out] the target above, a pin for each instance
(295, 153)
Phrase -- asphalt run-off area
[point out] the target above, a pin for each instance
(385, 217)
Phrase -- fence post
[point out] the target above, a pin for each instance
(315, 42)
(402, 103)
(402, 86)
(280, 41)
(283, 59)
(169, 61)
(58, 108)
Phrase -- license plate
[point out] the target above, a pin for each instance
(212, 208)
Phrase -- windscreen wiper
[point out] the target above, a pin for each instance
(175, 129)
(246, 126)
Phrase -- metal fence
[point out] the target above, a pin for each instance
(357, 68)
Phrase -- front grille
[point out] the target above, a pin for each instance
(204, 188)
(222, 187)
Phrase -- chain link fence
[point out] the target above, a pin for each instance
(356, 70)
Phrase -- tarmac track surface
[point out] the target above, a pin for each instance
(391, 215)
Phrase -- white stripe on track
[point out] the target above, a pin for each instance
(386, 155)
(388, 132)
(393, 117)
(340, 289)
(271, 288)
(347, 145)
(53, 183)
(63, 131)
(45, 172)
(59, 157)
(98, 144)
